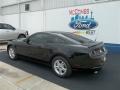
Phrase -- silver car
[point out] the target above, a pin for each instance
(8, 32)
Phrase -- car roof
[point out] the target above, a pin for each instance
(56, 32)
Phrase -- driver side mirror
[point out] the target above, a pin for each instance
(13, 28)
(27, 40)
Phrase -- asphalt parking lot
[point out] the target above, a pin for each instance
(107, 79)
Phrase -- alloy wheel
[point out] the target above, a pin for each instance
(11, 53)
(60, 67)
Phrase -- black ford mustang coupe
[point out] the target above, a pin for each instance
(64, 51)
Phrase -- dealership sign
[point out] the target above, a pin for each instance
(82, 19)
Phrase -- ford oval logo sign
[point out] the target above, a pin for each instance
(83, 22)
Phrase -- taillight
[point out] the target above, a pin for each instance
(97, 51)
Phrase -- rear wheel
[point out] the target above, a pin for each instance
(61, 67)
(12, 54)
(21, 36)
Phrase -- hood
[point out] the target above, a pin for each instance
(21, 30)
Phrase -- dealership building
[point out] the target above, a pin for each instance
(96, 19)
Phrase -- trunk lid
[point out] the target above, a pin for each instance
(96, 49)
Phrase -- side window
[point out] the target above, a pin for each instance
(62, 40)
(47, 38)
(1, 26)
(6, 26)
(27, 7)
(56, 39)
(37, 39)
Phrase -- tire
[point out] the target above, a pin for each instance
(61, 67)
(21, 36)
(12, 54)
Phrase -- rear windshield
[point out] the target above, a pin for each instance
(78, 38)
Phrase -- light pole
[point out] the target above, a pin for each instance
(91, 14)
(44, 15)
(0, 8)
(19, 14)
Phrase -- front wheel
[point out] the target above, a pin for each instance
(11, 52)
(61, 67)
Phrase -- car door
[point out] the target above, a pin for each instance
(7, 32)
(2, 33)
(36, 47)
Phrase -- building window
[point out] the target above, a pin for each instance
(27, 7)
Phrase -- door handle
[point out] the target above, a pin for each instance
(42, 46)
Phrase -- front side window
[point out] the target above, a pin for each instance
(6, 26)
(1, 26)
(37, 39)
(61, 40)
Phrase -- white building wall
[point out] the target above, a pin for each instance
(0, 12)
(32, 21)
(106, 14)
(12, 2)
(9, 2)
(109, 23)
(11, 6)
(14, 9)
(11, 19)
(52, 4)
(36, 5)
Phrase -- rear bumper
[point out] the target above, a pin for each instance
(85, 62)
